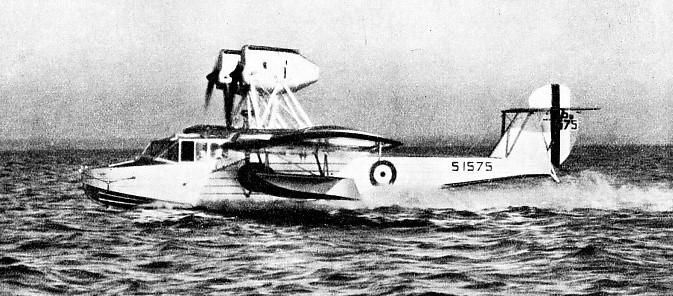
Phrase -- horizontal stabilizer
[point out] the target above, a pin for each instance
(524, 110)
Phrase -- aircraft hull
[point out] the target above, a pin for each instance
(186, 185)
(190, 185)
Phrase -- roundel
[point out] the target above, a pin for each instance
(383, 172)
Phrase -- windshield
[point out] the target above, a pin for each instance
(158, 148)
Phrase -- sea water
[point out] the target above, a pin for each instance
(606, 229)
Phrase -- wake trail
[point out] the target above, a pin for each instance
(587, 189)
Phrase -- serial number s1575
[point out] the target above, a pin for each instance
(471, 166)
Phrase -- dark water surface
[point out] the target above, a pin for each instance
(607, 229)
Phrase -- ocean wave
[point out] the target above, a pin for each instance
(600, 231)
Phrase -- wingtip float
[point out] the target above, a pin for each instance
(269, 149)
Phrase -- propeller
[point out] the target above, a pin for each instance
(229, 93)
(212, 79)
(229, 84)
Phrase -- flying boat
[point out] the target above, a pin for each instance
(268, 148)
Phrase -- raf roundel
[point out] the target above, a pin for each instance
(383, 172)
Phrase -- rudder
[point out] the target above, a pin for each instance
(560, 123)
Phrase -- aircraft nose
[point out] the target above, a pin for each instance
(302, 72)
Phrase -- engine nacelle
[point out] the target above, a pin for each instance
(257, 74)
(263, 67)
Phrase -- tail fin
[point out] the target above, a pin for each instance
(524, 137)
(560, 124)
(544, 133)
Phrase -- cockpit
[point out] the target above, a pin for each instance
(185, 150)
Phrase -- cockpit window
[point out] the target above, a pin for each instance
(199, 150)
(172, 153)
(216, 151)
(157, 148)
(202, 151)
(187, 151)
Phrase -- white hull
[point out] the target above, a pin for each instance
(183, 184)
(193, 184)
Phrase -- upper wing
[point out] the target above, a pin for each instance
(319, 137)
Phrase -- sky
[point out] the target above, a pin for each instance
(404, 69)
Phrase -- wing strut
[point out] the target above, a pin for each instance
(317, 161)
(380, 149)
(326, 165)
(324, 168)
